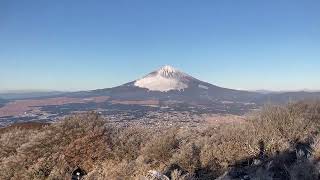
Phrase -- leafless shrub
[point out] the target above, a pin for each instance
(278, 126)
(10, 141)
(161, 148)
(76, 141)
(188, 157)
(127, 143)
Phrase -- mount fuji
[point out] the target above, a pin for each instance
(168, 85)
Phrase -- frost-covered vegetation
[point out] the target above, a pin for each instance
(282, 139)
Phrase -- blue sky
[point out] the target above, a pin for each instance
(78, 45)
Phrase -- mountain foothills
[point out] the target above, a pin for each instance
(166, 90)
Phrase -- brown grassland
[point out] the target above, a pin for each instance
(108, 152)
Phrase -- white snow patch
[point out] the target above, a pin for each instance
(202, 86)
(159, 83)
(165, 79)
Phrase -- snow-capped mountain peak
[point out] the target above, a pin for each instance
(167, 71)
(165, 79)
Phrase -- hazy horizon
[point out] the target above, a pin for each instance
(80, 45)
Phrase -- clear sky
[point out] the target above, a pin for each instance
(89, 44)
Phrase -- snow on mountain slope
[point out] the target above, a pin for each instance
(165, 79)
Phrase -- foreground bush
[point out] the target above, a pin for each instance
(107, 152)
(57, 149)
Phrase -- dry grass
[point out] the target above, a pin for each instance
(107, 152)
